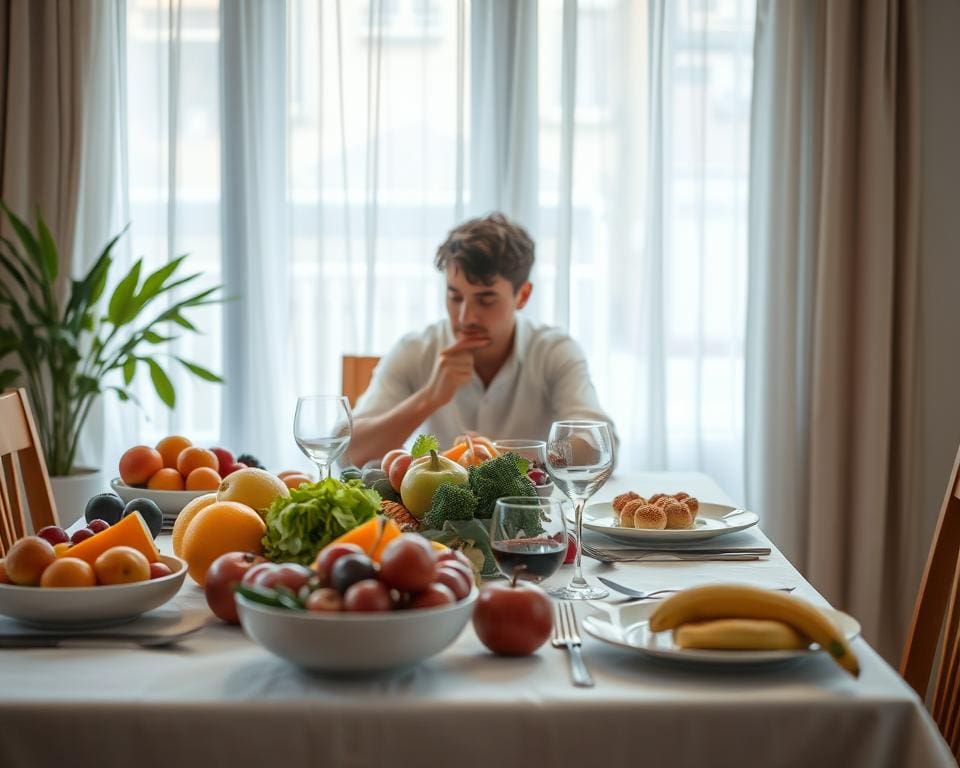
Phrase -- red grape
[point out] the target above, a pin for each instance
(98, 525)
(81, 534)
(367, 595)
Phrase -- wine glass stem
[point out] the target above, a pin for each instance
(578, 579)
(324, 468)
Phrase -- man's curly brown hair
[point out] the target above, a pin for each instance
(488, 247)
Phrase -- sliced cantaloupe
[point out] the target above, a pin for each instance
(372, 536)
(456, 452)
(131, 531)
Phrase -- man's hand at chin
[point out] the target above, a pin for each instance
(453, 369)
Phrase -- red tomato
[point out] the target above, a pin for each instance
(513, 619)
(398, 469)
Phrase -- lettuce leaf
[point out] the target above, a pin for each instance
(300, 525)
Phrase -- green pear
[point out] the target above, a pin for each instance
(424, 476)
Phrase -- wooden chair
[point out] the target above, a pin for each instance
(357, 372)
(22, 460)
(932, 651)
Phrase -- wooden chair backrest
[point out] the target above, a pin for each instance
(21, 459)
(936, 621)
(357, 371)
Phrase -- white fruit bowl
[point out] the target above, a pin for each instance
(354, 642)
(90, 607)
(170, 502)
(544, 491)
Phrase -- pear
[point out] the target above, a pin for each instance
(424, 476)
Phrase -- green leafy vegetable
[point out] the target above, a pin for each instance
(472, 538)
(423, 445)
(300, 525)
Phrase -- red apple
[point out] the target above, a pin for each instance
(158, 570)
(224, 456)
(390, 458)
(408, 563)
(513, 618)
(225, 573)
(229, 469)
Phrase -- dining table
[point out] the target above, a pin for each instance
(218, 699)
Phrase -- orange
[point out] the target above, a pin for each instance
(4, 579)
(194, 458)
(186, 517)
(294, 480)
(61, 549)
(170, 448)
(122, 565)
(203, 479)
(27, 559)
(226, 526)
(69, 572)
(138, 464)
(166, 479)
(254, 487)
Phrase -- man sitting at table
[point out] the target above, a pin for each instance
(485, 368)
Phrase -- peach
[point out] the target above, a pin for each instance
(294, 480)
(69, 572)
(166, 479)
(122, 565)
(27, 559)
(194, 458)
(139, 464)
(170, 449)
(203, 479)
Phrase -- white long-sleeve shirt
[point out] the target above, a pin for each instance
(544, 379)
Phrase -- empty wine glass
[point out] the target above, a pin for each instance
(579, 459)
(530, 532)
(534, 451)
(322, 427)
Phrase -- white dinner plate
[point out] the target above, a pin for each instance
(627, 626)
(710, 523)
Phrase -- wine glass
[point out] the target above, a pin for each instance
(579, 459)
(528, 532)
(322, 427)
(534, 451)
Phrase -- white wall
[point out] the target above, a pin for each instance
(938, 384)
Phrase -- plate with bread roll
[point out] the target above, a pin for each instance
(664, 518)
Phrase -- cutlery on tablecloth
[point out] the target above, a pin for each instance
(655, 594)
(566, 635)
(670, 555)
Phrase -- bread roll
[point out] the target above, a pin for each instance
(680, 495)
(693, 505)
(677, 514)
(657, 497)
(650, 517)
(622, 499)
(628, 512)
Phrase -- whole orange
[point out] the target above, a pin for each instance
(27, 559)
(194, 458)
(225, 526)
(138, 464)
(122, 565)
(186, 517)
(203, 479)
(166, 479)
(170, 448)
(69, 572)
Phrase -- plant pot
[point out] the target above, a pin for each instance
(72, 492)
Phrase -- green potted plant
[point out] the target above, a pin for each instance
(68, 352)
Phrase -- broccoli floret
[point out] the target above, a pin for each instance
(450, 502)
(496, 478)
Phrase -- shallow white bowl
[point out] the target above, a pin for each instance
(354, 642)
(170, 502)
(544, 491)
(90, 607)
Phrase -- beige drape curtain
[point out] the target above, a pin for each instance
(833, 299)
(45, 48)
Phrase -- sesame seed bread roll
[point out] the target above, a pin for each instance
(628, 513)
(620, 501)
(680, 495)
(677, 514)
(693, 505)
(650, 517)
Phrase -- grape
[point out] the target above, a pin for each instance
(432, 596)
(456, 580)
(81, 535)
(98, 525)
(367, 595)
(54, 534)
(324, 600)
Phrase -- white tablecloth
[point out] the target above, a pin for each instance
(218, 699)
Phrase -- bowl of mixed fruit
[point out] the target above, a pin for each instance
(351, 613)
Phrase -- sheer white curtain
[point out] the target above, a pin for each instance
(616, 130)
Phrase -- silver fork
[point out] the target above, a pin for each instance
(566, 635)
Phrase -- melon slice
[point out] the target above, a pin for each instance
(131, 531)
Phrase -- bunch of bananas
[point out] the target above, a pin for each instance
(727, 616)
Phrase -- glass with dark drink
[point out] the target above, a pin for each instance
(528, 536)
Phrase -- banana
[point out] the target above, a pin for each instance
(740, 635)
(729, 601)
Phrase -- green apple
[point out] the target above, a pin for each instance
(424, 476)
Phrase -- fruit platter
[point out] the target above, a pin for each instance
(100, 576)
